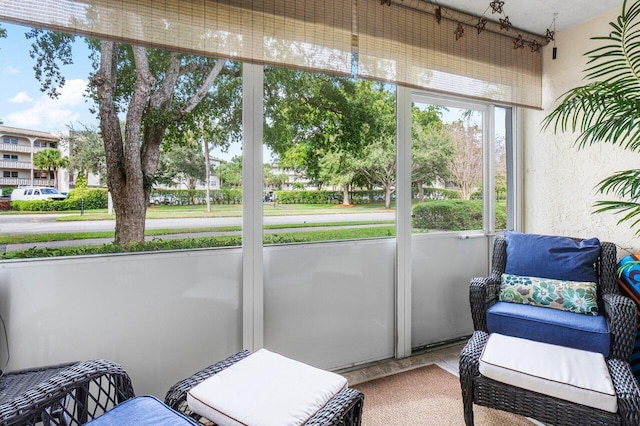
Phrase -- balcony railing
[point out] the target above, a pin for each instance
(23, 182)
(23, 165)
(8, 147)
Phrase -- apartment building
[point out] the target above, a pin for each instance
(17, 147)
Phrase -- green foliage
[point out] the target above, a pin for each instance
(230, 173)
(158, 244)
(6, 191)
(198, 196)
(307, 197)
(327, 197)
(93, 199)
(441, 194)
(86, 151)
(606, 109)
(454, 215)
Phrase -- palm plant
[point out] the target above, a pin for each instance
(607, 110)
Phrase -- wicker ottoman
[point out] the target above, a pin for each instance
(481, 390)
(344, 409)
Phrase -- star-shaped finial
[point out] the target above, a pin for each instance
(459, 32)
(480, 26)
(518, 43)
(496, 6)
(505, 24)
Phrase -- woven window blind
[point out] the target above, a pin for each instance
(403, 43)
(306, 34)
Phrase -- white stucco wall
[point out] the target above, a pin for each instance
(560, 179)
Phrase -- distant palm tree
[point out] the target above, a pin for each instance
(607, 110)
(51, 160)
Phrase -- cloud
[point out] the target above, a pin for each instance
(20, 98)
(48, 114)
(11, 70)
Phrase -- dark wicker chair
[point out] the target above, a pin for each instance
(621, 315)
(65, 394)
(344, 409)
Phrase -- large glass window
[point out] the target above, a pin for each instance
(180, 113)
(330, 157)
(447, 168)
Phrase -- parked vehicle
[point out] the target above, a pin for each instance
(36, 193)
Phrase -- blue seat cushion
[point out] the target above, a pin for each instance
(142, 411)
(589, 333)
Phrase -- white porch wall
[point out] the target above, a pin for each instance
(560, 180)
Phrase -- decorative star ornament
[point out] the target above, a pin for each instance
(505, 24)
(518, 43)
(535, 46)
(438, 14)
(459, 32)
(480, 26)
(496, 6)
(550, 36)
(387, 2)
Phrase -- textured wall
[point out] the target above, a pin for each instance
(559, 178)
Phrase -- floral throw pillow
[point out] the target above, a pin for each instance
(574, 296)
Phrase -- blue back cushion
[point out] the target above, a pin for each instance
(547, 256)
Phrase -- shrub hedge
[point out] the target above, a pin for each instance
(93, 199)
(455, 215)
(198, 196)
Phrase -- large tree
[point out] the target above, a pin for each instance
(318, 123)
(431, 149)
(466, 166)
(86, 151)
(156, 91)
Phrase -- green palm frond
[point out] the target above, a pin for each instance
(608, 108)
(625, 185)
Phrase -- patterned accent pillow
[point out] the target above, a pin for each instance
(574, 296)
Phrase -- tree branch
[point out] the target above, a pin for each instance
(204, 88)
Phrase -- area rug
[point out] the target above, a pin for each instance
(424, 396)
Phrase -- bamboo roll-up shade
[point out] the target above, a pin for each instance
(403, 44)
(305, 34)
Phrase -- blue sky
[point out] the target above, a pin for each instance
(23, 105)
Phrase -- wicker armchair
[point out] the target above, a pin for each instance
(621, 316)
(344, 409)
(65, 394)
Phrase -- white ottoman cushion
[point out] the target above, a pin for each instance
(264, 389)
(565, 373)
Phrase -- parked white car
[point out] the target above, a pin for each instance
(36, 193)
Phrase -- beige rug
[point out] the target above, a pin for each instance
(424, 396)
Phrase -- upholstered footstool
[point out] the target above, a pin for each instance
(550, 383)
(142, 411)
(265, 389)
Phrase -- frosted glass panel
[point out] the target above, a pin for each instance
(442, 266)
(163, 316)
(330, 304)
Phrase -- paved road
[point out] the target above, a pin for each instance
(36, 224)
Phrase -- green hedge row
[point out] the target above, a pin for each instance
(92, 199)
(441, 194)
(198, 196)
(455, 215)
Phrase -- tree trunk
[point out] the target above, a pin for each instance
(420, 191)
(345, 195)
(387, 196)
(207, 173)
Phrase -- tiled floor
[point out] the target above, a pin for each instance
(446, 357)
